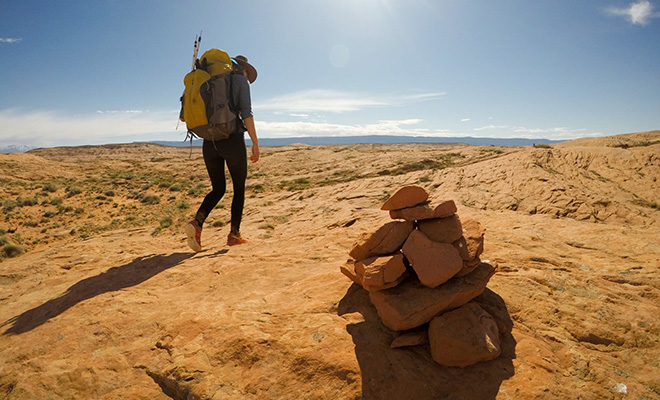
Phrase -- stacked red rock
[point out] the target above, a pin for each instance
(424, 267)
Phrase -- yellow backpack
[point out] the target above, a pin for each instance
(206, 104)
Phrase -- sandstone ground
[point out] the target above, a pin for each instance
(100, 297)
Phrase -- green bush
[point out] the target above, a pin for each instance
(10, 250)
(72, 191)
(150, 199)
(8, 206)
(26, 202)
(49, 187)
(166, 222)
(257, 188)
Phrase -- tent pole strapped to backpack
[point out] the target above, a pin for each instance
(198, 40)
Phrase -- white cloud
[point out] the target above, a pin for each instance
(49, 128)
(557, 133)
(465, 120)
(120, 111)
(11, 40)
(53, 128)
(336, 101)
(639, 13)
(383, 127)
(489, 127)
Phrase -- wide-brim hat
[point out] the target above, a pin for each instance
(251, 71)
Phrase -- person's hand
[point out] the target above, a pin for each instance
(255, 154)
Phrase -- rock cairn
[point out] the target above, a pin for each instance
(421, 271)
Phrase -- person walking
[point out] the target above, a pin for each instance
(230, 151)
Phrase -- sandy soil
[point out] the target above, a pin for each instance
(108, 302)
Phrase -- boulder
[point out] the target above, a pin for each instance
(387, 239)
(425, 211)
(411, 304)
(435, 263)
(464, 336)
(413, 337)
(471, 244)
(349, 270)
(442, 230)
(379, 273)
(468, 266)
(407, 196)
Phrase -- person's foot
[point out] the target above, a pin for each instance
(235, 238)
(194, 233)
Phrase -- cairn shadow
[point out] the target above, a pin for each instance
(410, 372)
(115, 278)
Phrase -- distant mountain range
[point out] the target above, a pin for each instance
(373, 139)
(328, 140)
(21, 148)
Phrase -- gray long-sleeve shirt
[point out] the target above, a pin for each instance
(241, 95)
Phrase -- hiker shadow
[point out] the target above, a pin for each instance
(115, 278)
(212, 255)
(410, 372)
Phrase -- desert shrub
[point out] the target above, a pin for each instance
(10, 250)
(542, 146)
(646, 203)
(197, 190)
(31, 224)
(296, 184)
(218, 224)
(79, 211)
(256, 188)
(49, 214)
(150, 199)
(26, 202)
(176, 188)
(57, 201)
(164, 185)
(166, 222)
(64, 209)
(183, 206)
(109, 193)
(72, 191)
(8, 206)
(49, 187)
(4, 240)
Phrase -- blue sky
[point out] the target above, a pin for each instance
(110, 71)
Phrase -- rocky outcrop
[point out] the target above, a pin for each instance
(464, 337)
(387, 239)
(411, 304)
(422, 271)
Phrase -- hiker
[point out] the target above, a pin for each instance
(232, 152)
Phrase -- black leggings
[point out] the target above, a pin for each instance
(216, 154)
